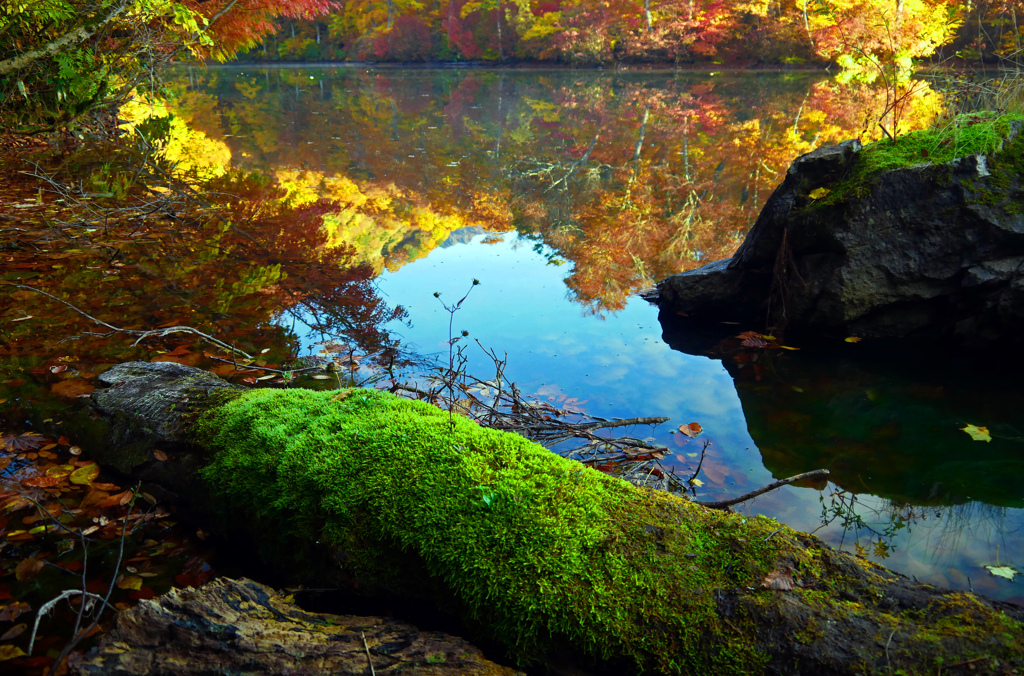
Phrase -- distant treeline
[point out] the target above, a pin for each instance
(580, 32)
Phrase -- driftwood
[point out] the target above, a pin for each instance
(624, 576)
(239, 626)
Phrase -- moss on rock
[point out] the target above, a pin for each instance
(540, 552)
(975, 134)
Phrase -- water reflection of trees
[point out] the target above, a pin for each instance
(629, 177)
(955, 537)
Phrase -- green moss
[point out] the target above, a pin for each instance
(537, 551)
(964, 136)
(535, 546)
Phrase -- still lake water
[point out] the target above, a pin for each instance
(565, 193)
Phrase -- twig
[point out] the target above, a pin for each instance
(367, 649)
(701, 463)
(722, 504)
(48, 606)
(887, 662)
(160, 333)
(78, 636)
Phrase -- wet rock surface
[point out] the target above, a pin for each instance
(926, 249)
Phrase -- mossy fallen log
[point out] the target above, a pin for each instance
(533, 551)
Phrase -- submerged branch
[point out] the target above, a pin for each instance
(140, 334)
(722, 504)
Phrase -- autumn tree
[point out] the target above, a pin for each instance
(62, 58)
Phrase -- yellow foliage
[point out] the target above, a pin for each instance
(192, 153)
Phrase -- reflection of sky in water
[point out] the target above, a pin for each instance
(617, 363)
(618, 366)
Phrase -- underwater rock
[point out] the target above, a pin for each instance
(931, 249)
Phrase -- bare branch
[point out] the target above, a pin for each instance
(722, 504)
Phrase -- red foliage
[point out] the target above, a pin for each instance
(248, 21)
(475, 36)
(408, 40)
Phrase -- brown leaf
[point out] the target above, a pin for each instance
(778, 580)
(14, 632)
(29, 441)
(691, 430)
(43, 481)
(9, 613)
(69, 389)
(28, 569)
(160, 455)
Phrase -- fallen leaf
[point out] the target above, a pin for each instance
(75, 450)
(70, 389)
(29, 441)
(249, 381)
(1003, 571)
(9, 613)
(818, 193)
(160, 455)
(14, 504)
(977, 433)
(84, 476)
(14, 632)
(28, 569)
(342, 396)
(852, 339)
(60, 470)
(778, 580)
(129, 582)
(320, 377)
(697, 482)
(9, 652)
(43, 481)
(58, 369)
(691, 430)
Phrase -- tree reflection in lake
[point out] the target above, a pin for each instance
(625, 178)
(628, 176)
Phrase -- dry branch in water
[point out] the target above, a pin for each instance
(140, 334)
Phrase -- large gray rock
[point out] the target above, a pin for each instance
(934, 249)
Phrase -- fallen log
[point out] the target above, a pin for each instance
(239, 626)
(533, 551)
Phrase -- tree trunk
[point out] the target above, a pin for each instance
(535, 552)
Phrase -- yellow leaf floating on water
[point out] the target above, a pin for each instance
(9, 652)
(853, 339)
(85, 475)
(133, 582)
(1003, 571)
(978, 433)
(697, 482)
(818, 193)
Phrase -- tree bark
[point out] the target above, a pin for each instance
(239, 626)
(534, 552)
